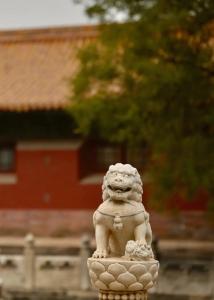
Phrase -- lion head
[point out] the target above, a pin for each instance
(122, 182)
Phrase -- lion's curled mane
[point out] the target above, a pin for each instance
(137, 188)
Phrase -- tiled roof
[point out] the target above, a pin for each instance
(36, 66)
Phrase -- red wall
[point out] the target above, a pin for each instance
(48, 179)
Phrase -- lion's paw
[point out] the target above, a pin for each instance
(100, 254)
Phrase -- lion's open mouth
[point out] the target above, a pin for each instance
(118, 189)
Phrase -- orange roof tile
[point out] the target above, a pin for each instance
(36, 65)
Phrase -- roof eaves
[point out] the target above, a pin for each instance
(56, 33)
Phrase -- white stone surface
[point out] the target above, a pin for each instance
(136, 251)
(123, 263)
(84, 255)
(122, 275)
(30, 262)
(121, 217)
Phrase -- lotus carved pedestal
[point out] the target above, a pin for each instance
(122, 279)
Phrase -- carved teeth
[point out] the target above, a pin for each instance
(119, 189)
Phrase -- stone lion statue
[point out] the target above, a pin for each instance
(121, 217)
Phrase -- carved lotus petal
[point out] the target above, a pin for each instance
(97, 267)
(92, 275)
(138, 270)
(149, 285)
(100, 285)
(106, 277)
(145, 279)
(127, 278)
(116, 269)
(117, 286)
(135, 287)
(153, 269)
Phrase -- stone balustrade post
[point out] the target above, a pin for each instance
(85, 252)
(1, 289)
(30, 262)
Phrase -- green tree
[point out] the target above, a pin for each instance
(150, 80)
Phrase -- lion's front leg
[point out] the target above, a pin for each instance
(140, 233)
(141, 239)
(101, 236)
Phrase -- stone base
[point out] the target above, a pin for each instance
(123, 276)
(112, 295)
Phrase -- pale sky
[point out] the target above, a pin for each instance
(40, 13)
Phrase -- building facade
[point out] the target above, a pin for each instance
(44, 167)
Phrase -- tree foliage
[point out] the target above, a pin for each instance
(150, 80)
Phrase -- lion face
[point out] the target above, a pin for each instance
(119, 185)
(122, 183)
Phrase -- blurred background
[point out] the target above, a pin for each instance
(86, 84)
